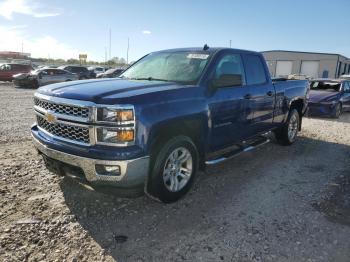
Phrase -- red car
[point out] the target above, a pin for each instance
(8, 70)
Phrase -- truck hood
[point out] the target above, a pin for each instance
(317, 96)
(105, 90)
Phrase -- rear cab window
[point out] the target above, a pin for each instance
(255, 70)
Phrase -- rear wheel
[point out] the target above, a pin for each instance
(287, 134)
(173, 171)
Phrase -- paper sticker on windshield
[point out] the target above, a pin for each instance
(197, 56)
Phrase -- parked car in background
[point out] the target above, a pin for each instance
(81, 71)
(345, 77)
(329, 97)
(97, 69)
(8, 70)
(298, 77)
(42, 77)
(170, 113)
(111, 73)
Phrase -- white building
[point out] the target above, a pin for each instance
(315, 65)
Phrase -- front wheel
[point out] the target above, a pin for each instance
(337, 111)
(173, 171)
(287, 134)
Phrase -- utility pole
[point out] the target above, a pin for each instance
(110, 44)
(105, 55)
(22, 47)
(127, 53)
(230, 43)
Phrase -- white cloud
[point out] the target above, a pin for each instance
(13, 37)
(26, 7)
(146, 32)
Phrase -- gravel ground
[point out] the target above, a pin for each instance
(272, 204)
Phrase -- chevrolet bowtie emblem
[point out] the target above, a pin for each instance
(50, 118)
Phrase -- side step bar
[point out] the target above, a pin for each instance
(234, 153)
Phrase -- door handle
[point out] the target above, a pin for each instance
(248, 96)
(270, 93)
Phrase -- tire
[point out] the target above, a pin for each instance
(35, 84)
(287, 134)
(171, 175)
(337, 111)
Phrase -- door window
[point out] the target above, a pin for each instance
(255, 70)
(230, 64)
(51, 72)
(44, 72)
(58, 72)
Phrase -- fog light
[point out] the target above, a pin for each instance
(106, 170)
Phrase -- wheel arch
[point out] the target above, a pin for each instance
(191, 128)
(298, 104)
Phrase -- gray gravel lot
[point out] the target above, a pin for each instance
(272, 204)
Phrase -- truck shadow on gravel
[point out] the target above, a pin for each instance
(335, 204)
(225, 198)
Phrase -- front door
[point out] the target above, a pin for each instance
(227, 108)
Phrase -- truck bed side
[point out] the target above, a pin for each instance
(287, 93)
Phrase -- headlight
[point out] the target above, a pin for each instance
(115, 115)
(114, 136)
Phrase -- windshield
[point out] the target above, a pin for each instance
(325, 86)
(184, 67)
(109, 71)
(35, 72)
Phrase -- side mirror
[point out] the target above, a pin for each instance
(227, 80)
(40, 75)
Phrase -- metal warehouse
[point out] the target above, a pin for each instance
(315, 65)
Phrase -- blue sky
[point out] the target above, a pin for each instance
(66, 28)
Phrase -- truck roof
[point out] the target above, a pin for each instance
(210, 50)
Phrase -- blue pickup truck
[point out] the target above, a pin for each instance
(168, 115)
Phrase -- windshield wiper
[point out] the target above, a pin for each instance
(149, 79)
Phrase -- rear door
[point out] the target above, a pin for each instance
(261, 95)
(227, 110)
(58, 76)
(45, 77)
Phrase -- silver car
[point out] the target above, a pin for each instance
(43, 76)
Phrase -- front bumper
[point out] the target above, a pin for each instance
(318, 109)
(23, 82)
(133, 172)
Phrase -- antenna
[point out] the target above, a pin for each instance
(205, 47)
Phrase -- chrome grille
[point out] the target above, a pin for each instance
(74, 133)
(68, 110)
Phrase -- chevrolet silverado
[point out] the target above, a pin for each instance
(168, 115)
